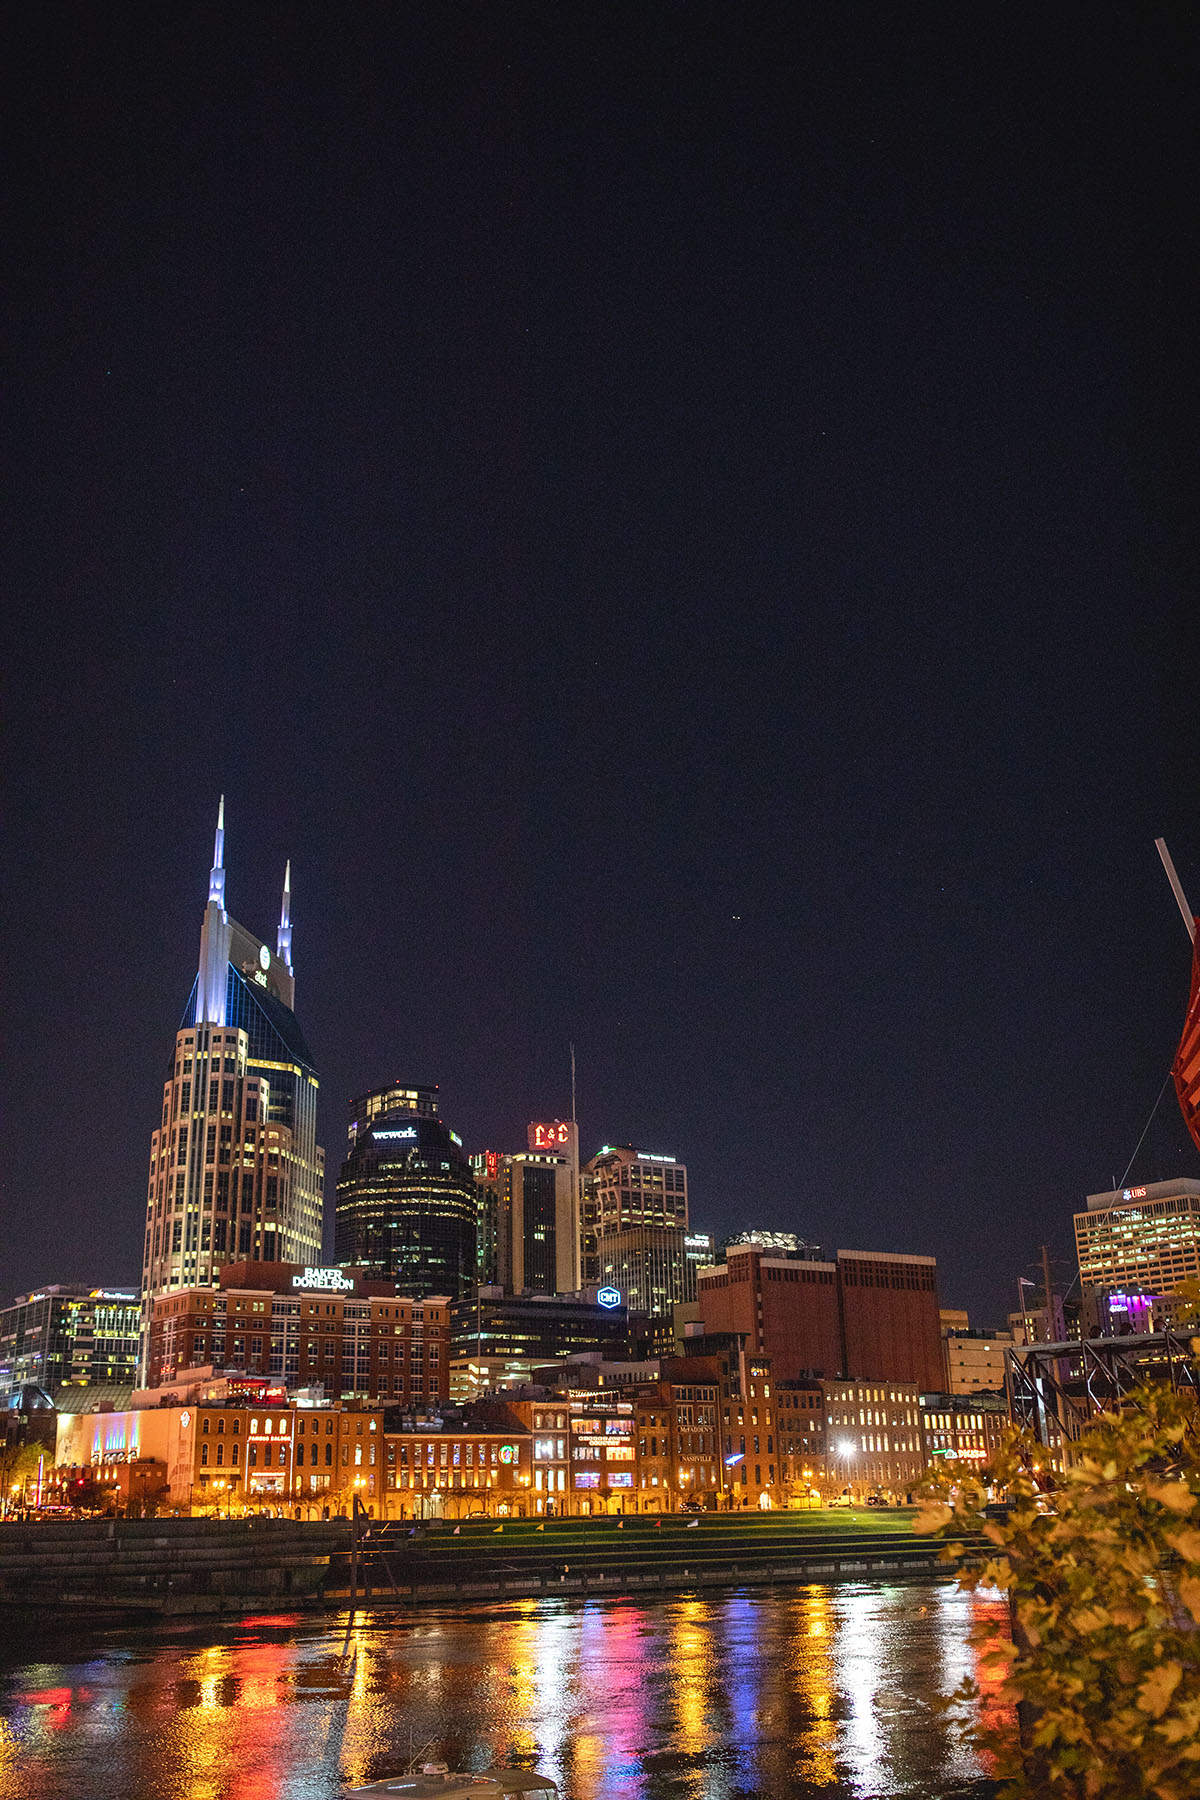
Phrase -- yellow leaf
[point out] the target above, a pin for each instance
(1176, 1496)
(1189, 1593)
(1187, 1541)
(930, 1519)
(1154, 1695)
(1091, 1618)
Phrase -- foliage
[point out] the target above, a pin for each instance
(1103, 1578)
(19, 1463)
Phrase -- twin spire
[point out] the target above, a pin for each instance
(216, 891)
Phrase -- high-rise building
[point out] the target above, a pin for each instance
(66, 1337)
(1136, 1243)
(528, 1213)
(635, 1221)
(406, 1207)
(697, 1254)
(647, 1266)
(637, 1187)
(559, 1138)
(235, 1168)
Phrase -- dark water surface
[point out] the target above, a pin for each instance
(748, 1695)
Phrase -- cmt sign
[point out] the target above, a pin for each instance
(550, 1137)
(325, 1281)
(608, 1296)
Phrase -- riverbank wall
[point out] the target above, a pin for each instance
(169, 1567)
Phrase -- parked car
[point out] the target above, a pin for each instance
(877, 1500)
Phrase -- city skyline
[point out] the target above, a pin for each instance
(684, 567)
(202, 1002)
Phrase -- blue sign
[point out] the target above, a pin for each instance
(736, 1458)
(608, 1296)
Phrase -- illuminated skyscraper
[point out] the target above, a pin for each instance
(406, 1207)
(236, 1173)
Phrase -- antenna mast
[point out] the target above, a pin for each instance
(1176, 887)
(574, 1120)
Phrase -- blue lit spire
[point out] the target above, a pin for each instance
(216, 879)
(283, 940)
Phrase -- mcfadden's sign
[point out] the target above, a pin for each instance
(325, 1281)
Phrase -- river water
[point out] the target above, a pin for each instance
(760, 1694)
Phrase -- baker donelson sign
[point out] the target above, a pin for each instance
(329, 1281)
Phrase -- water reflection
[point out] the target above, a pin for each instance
(781, 1692)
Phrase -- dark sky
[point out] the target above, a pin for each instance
(680, 521)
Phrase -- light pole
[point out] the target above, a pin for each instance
(847, 1449)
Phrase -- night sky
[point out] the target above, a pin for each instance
(680, 521)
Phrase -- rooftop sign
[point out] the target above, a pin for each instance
(326, 1281)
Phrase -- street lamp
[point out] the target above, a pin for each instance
(847, 1449)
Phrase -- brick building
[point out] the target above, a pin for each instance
(874, 1440)
(460, 1472)
(333, 1329)
(962, 1427)
(864, 1315)
(679, 1458)
(800, 1426)
(222, 1457)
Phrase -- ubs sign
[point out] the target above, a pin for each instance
(325, 1281)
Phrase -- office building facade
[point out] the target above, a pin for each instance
(297, 1326)
(528, 1217)
(407, 1208)
(64, 1337)
(1137, 1243)
(235, 1167)
(635, 1188)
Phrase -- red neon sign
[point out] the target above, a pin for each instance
(551, 1137)
(493, 1163)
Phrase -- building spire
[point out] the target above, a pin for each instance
(283, 941)
(216, 880)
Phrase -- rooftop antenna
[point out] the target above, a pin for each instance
(283, 938)
(1176, 887)
(216, 879)
(574, 1120)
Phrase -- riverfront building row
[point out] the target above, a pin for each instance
(707, 1432)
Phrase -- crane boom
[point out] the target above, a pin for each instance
(1176, 887)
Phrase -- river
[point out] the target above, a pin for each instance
(763, 1694)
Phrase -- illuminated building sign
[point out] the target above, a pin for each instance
(508, 1453)
(735, 1458)
(1129, 1302)
(492, 1159)
(325, 1281)
(1133, 1193)
(551, 1137)
(608, 1296)
(403, 1131)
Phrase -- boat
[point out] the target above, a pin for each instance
(436, 1782)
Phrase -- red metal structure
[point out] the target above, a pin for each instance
(1185, 1070)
